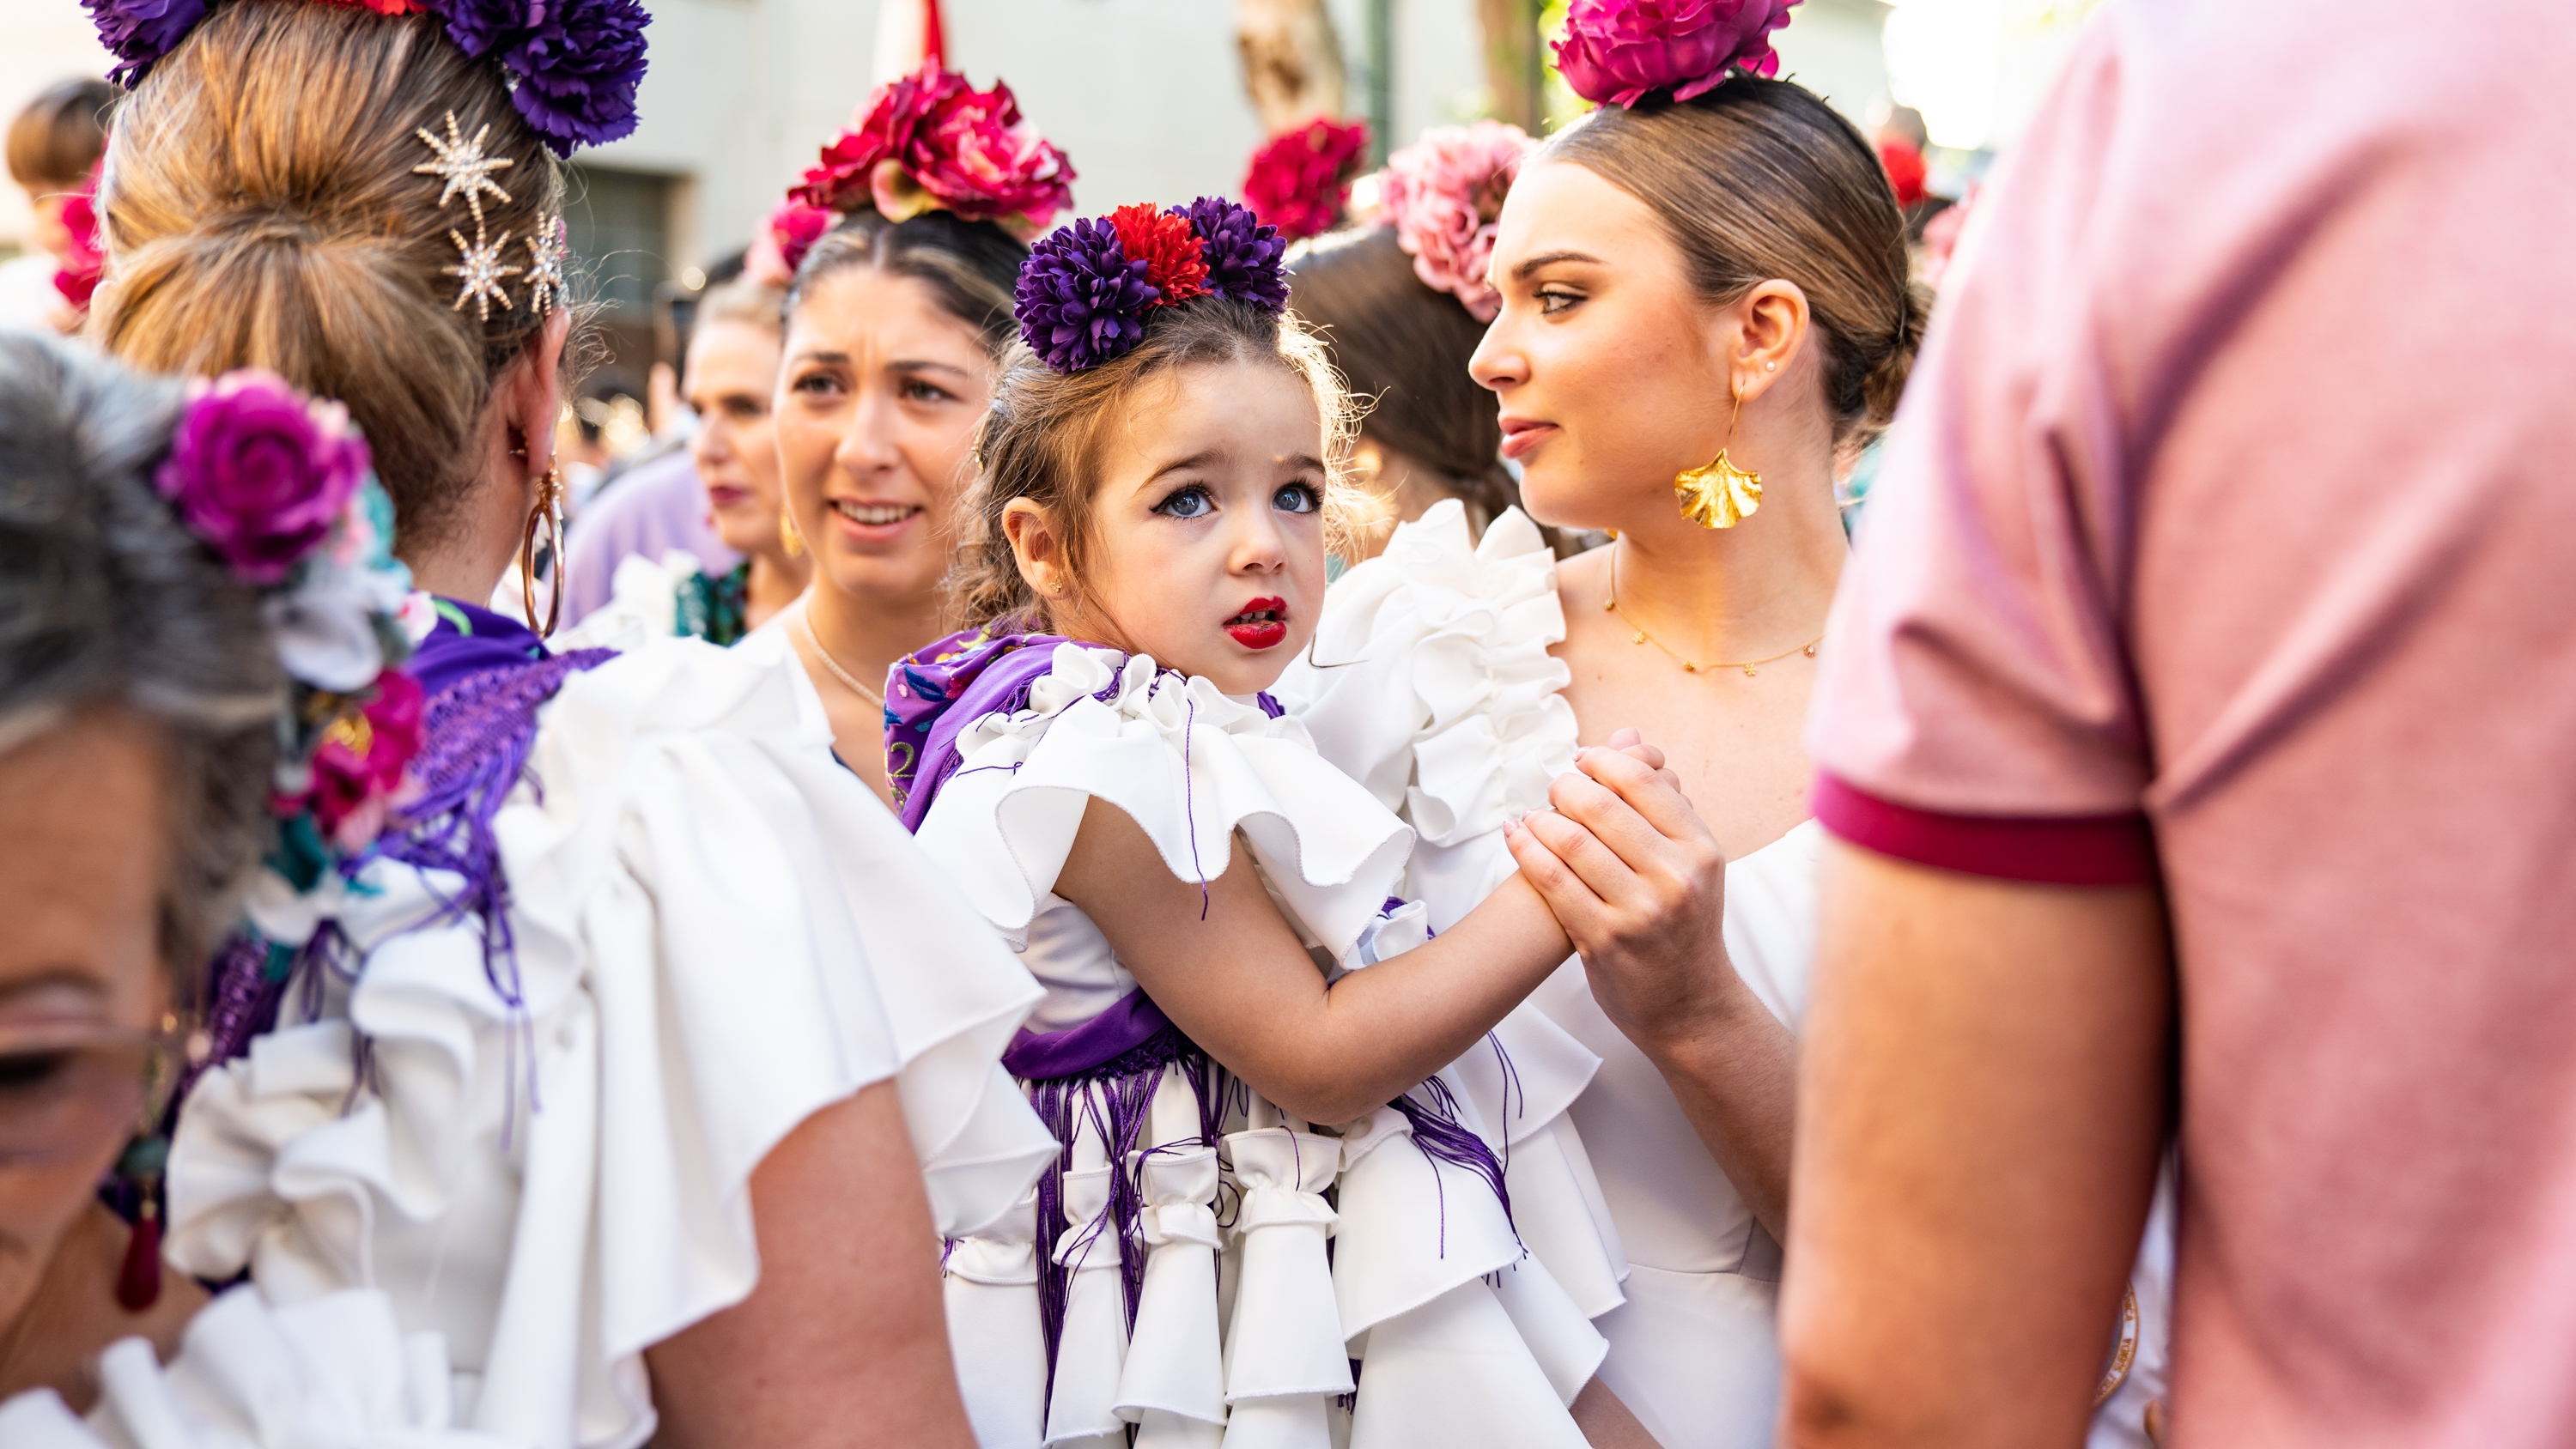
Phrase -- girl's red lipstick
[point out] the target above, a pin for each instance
(1262, 624)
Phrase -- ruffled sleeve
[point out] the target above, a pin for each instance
(717, 932)
(1430, 682)
(1189, 765)
(333, 1370)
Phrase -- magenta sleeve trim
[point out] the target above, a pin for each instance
(2076, 850)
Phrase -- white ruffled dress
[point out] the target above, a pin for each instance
(1433, 684)
(1287, 1265)
(718, 932)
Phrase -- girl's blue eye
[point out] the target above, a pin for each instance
(1297, 498)
(1190, 502)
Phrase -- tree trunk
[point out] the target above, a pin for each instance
(1512, 60)
(1292, 63)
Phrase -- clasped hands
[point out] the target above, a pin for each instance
(1639, 884)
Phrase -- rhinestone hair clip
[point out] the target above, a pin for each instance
(482, 264)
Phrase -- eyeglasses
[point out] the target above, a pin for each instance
(67, 1090)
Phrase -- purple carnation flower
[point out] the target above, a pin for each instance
(1242, 253)
(140, 32)
(578, 63)
(478, 26)
(1082, 302)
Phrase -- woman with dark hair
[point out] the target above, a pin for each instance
(614, 1062)
(895, 326)
(1402, 306)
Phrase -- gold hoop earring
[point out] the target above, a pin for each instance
(788, 538)
(1720, 495)
(549, 511)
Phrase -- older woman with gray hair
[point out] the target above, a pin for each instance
(146, 708)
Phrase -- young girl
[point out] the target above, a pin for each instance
(1207, 903)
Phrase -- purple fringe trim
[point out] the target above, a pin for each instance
(1115, 1098)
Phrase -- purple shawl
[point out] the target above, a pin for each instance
(939, 691)
(934, 693)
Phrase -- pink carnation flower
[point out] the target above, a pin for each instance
(1619, 51)
(932, 142)
(1442, 195)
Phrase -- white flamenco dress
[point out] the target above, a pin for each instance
(1431, 682)
(1288, 1269)
(466, 1219)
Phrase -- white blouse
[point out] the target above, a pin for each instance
(718, 931)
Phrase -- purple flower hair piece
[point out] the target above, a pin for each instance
(140, 32)
(479, 26)
(578, 66)
(576, 63)
(1081, 300)
(1242, 254)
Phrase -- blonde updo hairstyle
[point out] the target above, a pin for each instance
(1041, 441)
(259, 208)
(1759, 179)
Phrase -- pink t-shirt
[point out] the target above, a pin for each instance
(2229, 534)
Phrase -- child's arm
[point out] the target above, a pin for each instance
(1243, 988)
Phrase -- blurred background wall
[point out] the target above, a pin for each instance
(1149, 97)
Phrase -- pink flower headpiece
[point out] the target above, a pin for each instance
(1301, 179)
(77, 278)
(281, 488)
(931, 142)
(1621, 51)
(1442, 195)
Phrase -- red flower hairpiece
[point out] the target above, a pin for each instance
(1300, 179)
(931, 142)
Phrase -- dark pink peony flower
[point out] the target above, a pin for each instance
(1301, 179)
(260, 472)
(1616, 52)
(932, 142)
(781, 246)
(979, 158)
(842, 179)
(358, 769)
(1442, 196)
(77, 278)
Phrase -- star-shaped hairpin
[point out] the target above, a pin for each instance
(462, 165)
(545, 267)
(479, 267)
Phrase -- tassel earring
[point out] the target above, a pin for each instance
(1720, 495)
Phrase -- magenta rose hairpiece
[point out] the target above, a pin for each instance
(931, 142)
(261, 472)
(1442, 196)
(1301, 179)
(278, 486)
(1617, 52)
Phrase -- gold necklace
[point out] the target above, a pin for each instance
(1751, 667)
(805, 622)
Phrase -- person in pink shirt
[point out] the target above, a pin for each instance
(2198, 724)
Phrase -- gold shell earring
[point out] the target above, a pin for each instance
(788, 538)
(1720, 495)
